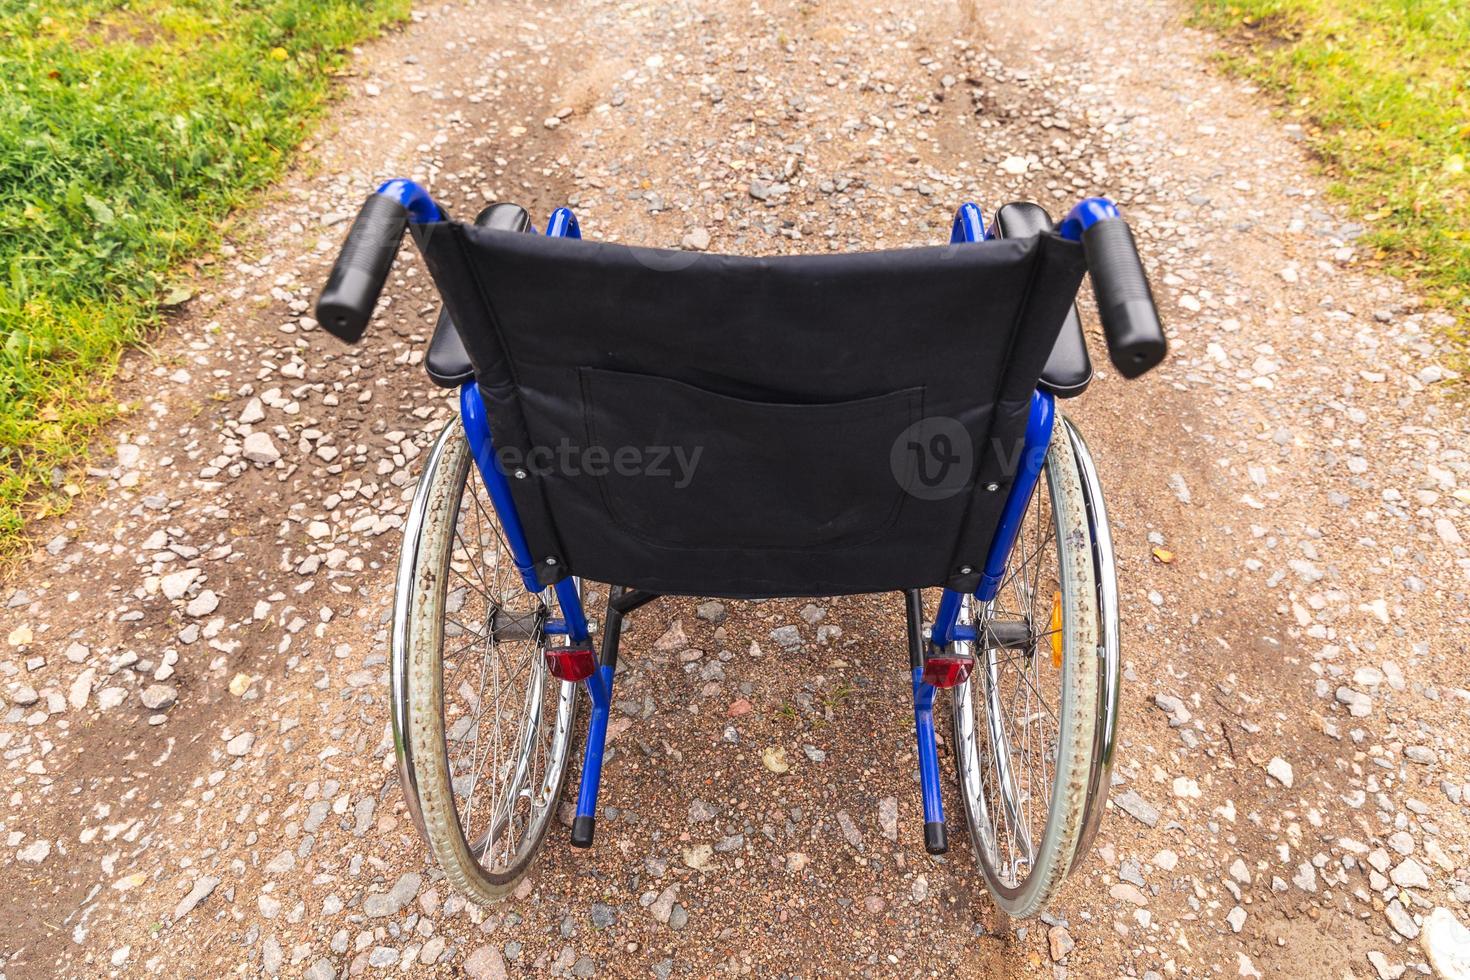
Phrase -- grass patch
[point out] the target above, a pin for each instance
(128, 131)
(1382, 88)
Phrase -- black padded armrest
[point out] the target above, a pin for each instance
(1068, 369)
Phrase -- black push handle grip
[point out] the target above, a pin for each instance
(351, 293)
(1125, 304)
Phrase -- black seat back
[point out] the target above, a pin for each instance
(718, 425)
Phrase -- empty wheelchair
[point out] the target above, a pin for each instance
(694, 424)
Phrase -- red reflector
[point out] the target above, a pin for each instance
(946, 670)
(571, 663)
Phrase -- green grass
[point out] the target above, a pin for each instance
(128, 132)
(1383, 90)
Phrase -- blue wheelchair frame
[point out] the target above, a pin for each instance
(969, 226)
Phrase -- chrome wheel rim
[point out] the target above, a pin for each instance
(1109, 664)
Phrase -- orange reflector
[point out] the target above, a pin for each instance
(1056, 630)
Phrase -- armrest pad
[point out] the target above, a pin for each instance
(1069, 369)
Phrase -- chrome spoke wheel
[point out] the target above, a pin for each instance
(484, 731)
(1024, 721)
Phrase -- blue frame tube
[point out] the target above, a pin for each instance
(573, 623)
(476, 422)
(574, 619)
(969, 225)
(415, 200)
(563, 224)
(1084, 214)
(943, 632)
(599, 687)
(928, 753)
(473, 416)
(1033, 459)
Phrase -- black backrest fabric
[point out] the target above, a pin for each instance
(718, 425)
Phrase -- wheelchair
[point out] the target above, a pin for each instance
(847, 424)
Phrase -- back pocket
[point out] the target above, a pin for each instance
(691, 468)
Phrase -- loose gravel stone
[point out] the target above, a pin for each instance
(204, 886)
(1409, 874)
(241, 744)
(203, 604)
(1137, 808)
(432, 951)
(176, 584)
(888, 817)
(850, 832)
(484, 963)
(1060, 943)
(1446, 942)
(157, 697)
(663, 905)
(602, 915)
(787, 636)
(383, 956)
(713, 612)
(35, 852)
(1402, 922)
(395, 899)
(259, 448)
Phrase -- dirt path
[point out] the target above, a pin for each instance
(200, 781)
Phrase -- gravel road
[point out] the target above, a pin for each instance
(194, 719)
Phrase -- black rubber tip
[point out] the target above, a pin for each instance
(582, 830)
(936, 841)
